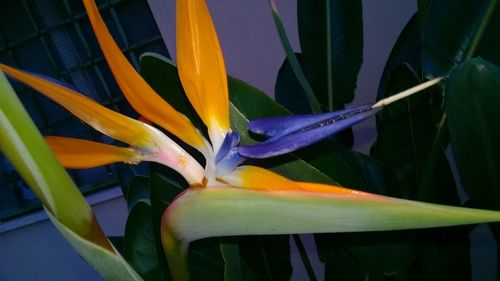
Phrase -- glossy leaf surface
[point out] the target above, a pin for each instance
(472, 104)
(331, 39)
(139, 242)
(452, 33)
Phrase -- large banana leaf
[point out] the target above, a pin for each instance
(453, 31)
(472, 105)
(331, 38)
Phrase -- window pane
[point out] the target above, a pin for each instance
(54, 37)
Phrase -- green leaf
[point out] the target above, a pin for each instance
(331, 39)
(268, 257)
(231, 253)
(127, 172)
(472, 103)
(369, 171)
(23, 145)
(205, 260)
(452, 33)
(444, 253)
(423, 7)
(406, 130)
(288, 91)
(138, 191)
(372, 255)
(339, 262)
(165, 185)
(140, 244)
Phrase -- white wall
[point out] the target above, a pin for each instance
(39, 252)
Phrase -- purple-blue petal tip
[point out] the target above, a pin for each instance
(289, 133)
(232, 160)
(231, 140)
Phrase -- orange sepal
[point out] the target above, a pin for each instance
(99, 117)
(254, 177)
(201, 67)
(81, 154)
(139, 94)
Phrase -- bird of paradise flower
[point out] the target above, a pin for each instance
(225, 198)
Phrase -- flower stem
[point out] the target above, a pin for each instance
(406, 93)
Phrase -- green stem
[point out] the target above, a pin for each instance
(304, 257)
(488, 14)
(430, 167)
(294, 63)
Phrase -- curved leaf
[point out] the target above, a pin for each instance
(331, 39)
(138, 191)
(472, 105)
(287, 90)
(140, 244)
(452, 32)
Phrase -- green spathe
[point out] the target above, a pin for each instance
(197, 213)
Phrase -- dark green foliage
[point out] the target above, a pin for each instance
(472, 104)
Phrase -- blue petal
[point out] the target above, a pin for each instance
(276, 127)
(232, 160)
(299, 131)
(231, 140)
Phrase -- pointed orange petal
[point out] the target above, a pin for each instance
(201, 67)
(80, 154)
(259, 178)
(253, 177)
(140, 95)
(99, 117)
